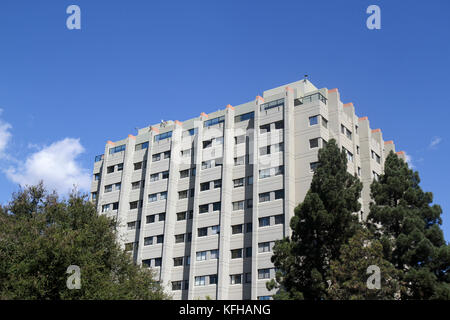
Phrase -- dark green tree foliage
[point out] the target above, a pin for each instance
(349, 276)
(40, 236)
(323, 222)
(408, 225)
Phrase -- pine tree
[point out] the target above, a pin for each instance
(408, 225)
(349, 276)
(323, 222)
(41, 236)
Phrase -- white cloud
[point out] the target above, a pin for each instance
(409, 160)
(5, 135)
(435, 141)
(56, 165)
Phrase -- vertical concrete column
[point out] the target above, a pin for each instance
(122, 214)
(349, 109)
(223, 280)
(171, 204)
(254, 158)
(198, 155)
(153, 132)
(289, 159)
(366, 165)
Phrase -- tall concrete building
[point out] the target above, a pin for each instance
(203, 201)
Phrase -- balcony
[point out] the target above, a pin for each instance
(310, 98)
(99, 158)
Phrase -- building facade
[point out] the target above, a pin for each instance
(203, 201)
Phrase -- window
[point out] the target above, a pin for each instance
(193, 171)
(181, 216)
(357, 149)
(158, 262)
(138, 166)
(279, 219)
(263, 197)
(213, 279)
(188, 260)
(248, 252)
(110, 169)
(214, 254)
(264, 173)
(238, 205)
(165, 175)
(263, 247)
(243, 117)
(148, 241)
(141, 146)
(342, 129)
(216, 206)
(204, 208)
(135, 185)
(163, 195)
(264, 222)
(279, 170)
(206, 164)
(117, 186)
(214, 121)
(376, 177)
(349, 154)
(324, 122)
(249, 203)
(160, 238)
(186, 153)
(115, 206)
(314, 143)
(163, 136)
(279, 194)
(202, 232)
(117, 149)
(162, 216)
(178, 261)
(313, 120)
(156, 157)
(184, 174)
(356, 129)
(236, 253)
(108, 188)
(248, 277)
(264, 129)
(279, 147)
(152, 197)
(238, 182)
(176, 285)
(239, 139)
(201, 255)
(150, 219)
(215, 230)
(348, 133)
(359, 171)
(217, 184)
(207, 144)
(133, 205)
(179, 238)
(272, 104)
(204, 186)
(146, 263)
(236, 229)
(248, 227)
(264, 273)
(167, 154)
(264, 150)
(94, 195)
(131, 225)
(200, 281)
(154, 177)
(279, 125)
(192, 131)
(97, 176)
(313, 166)
(182, 194)
(120, 167)
(236, 279)
(239, 161)
(250, 180)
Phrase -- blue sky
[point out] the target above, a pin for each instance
(64, 93)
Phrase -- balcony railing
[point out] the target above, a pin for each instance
(311, 98)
